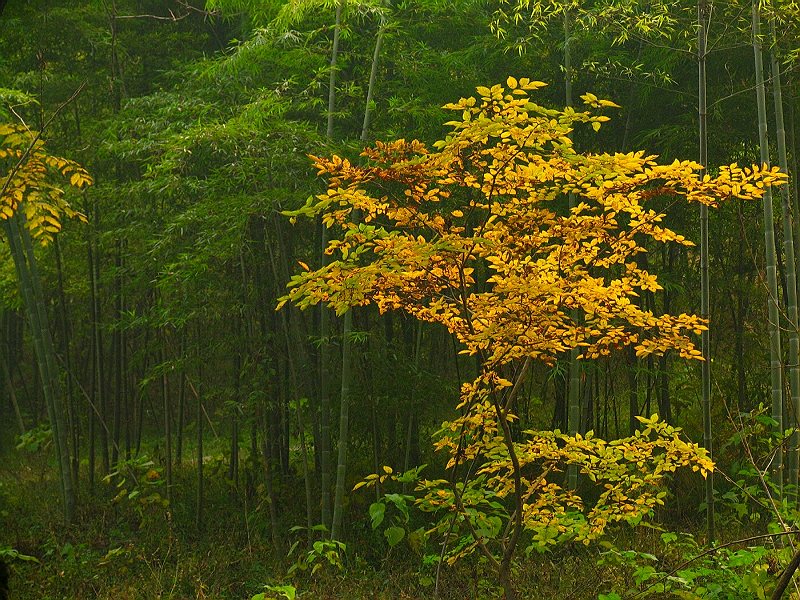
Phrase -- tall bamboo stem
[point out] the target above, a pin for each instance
(573, 390)
(705, 342)
(344, 428)
(27, 271)
(791, 274)
(776, 377)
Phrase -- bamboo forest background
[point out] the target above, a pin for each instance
(211, 443)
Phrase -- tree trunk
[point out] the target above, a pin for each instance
(33, 297)
(373, 73)
(791, 276)
(200, 506)
(72, 409)
(166, 405)
(12, 396)
(288, 323)
(116, 345)
(771, 260)
(705, 346)
(633, 391)
(574, 387)
(344, 429)
(324, 320)
(99, 399)
(272, 501)
(333, 66)
(181, 399)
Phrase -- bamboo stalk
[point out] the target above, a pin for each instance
(776, 377)
(793, 365)
(705, 312)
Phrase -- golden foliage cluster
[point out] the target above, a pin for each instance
(491, 199)
(27, 183)
(523, 248)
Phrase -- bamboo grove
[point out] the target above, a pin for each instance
(399, 298)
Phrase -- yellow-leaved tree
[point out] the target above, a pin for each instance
(32, 205)
(491, 198)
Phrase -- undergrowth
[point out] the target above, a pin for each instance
(129, 544)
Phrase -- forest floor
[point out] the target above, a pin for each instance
(131, 549)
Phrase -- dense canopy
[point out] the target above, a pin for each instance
(398, 299)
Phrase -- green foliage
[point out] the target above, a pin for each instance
(294, 12)
(7, 553)
(37, 439)
(11, 101)
(750, 495)
(289, 592)
(431, 224)
(260, 11)
(398, 506)
(196, 127)
(687, 570)
(475, 513)
(139, 486)
(322, 553)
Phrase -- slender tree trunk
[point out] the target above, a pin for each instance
(664, 400)
(12, 395)
(793, 182)
(334, 68)
(705, 346)
(181, 400)
(233, 470)
(100, 404)
(94, 393)
(786, 576)
(288, 323)
(377, 444)
(633, 391)
(412, 434)
(324, 401)
(24, 259)
(301, 432)
(791, 276)
(739, 318)
(344, 429)
(141, 395)
(284, 414)
(72, 409)
(324, 319)
(587, 401)
(116, 345)
(560, 383)
(201, 485)
(771, 261)
(268, 467)
(574, 387)
(166, 405)
(373, 74)
(5, 363)
(52, 371)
